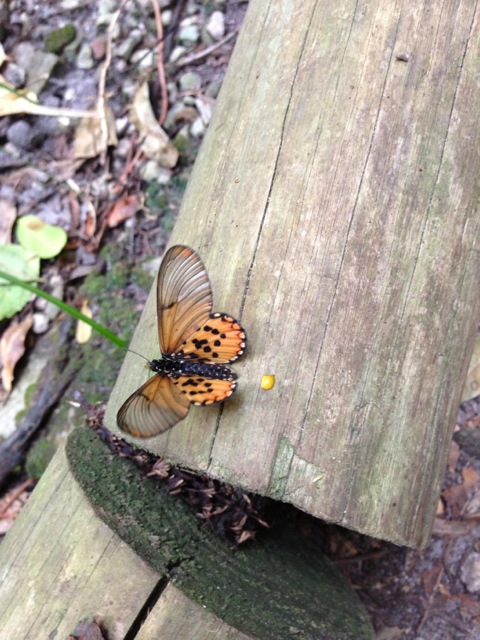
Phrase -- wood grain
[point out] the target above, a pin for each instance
(60, 564)
(334, 201)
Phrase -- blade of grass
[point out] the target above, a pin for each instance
(64, 307)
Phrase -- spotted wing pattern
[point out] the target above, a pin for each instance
(155, 407)
(184, 297)
(204, 391)
(220, 340)
(188, 332)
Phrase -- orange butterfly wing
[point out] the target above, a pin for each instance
(202, 390)
(155, 407)
(184, 297)
(219, 340)
(162, 402)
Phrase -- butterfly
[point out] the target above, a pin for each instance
(196, 344)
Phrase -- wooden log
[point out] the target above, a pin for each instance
(334, 202)
(60, 565)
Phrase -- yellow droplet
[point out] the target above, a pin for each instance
(268, 382)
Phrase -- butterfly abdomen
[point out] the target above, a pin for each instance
(176, 367)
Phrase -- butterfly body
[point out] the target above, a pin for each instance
(196, 344)
(175, 367)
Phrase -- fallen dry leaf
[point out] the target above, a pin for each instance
(472, 383)
(83, 332)
(156, 143)
(90, 223)
(8, 214)
(93, 136)
(453, 456)
(121, 210)
(12, 348)
(470, 477)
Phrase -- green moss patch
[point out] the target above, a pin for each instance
(280, 588)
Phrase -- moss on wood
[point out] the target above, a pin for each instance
(279, 588)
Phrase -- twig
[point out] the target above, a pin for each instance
(101, 101)
(195, 57)
(14, 495)
(160, 67)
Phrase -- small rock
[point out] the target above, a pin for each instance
(205, 108)
(470, 572)
(177, 53)
(143, 58)
(23, 135)
(37, 65)
(198, 128)
(40, 322)
(172, 92)
(121, 126)
(153, 172)
(182, 140)
(68, 5)
(15, 75)
(213, 88)
(216, 25)
(124, 148)
(166, 17)
(179, 113)
(85, 57)
(99, 48)
(131, 42)
(105, 11)
(190, 81)
(189, 35)
(57, 40)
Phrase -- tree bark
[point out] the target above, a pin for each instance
(335, 203)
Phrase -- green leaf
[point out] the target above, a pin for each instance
(43, 239)
(26, 266)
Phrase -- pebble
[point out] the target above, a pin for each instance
(105, 10)
(189, 35)
(153, 172)
(99, 48)
(470, 572)
(15, 75)
(144, 58)
(216, 25)
(177, 53)
(85, 57)
(24, 136)
(190, 81)
(126, 48)
(40, 322)
(198, 128)
(204, 108)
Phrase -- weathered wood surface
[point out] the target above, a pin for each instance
(175, 616)
(60, 565)
(334, 201)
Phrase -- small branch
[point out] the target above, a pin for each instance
(196, 57)
(160, 67)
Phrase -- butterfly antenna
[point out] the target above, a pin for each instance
(137, 354)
